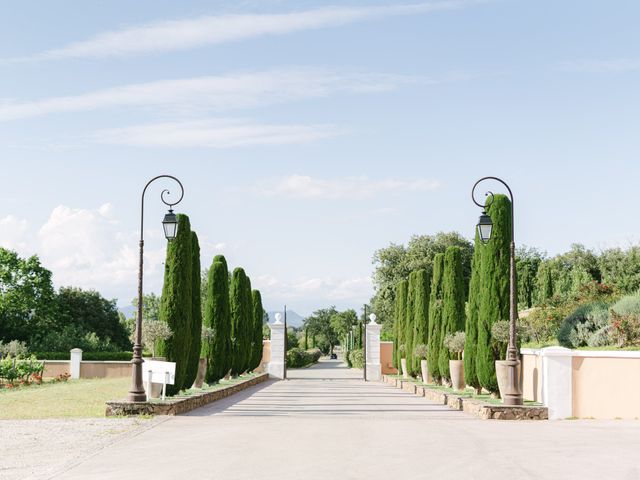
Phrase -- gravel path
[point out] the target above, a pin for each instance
(39, 449)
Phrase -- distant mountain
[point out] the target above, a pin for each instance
(293, 319)
(128, 311)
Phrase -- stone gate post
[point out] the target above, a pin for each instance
(373, 366)
(276, 364)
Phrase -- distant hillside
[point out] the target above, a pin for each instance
(293, 319)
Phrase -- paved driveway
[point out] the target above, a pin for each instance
(325, 423)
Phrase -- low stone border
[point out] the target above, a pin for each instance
(483, 410)
(178, 405)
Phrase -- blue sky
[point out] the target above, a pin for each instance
(309, 134)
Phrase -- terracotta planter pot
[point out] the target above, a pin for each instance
(502, 373)
(456, 369)
(202, 370)
(403, 362)
(424, 367)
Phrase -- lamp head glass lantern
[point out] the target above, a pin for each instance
(485, 227)
(170, 225)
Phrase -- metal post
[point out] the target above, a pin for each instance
(513, 395)
(286, 341)
(364, 341)
(137, 393)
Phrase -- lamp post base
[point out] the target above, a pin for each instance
(513, 395)
(137, 397)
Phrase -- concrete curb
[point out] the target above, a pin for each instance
(483, 410)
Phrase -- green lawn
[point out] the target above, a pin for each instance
(75, 398)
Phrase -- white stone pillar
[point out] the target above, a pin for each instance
(557, 382)
(276, 364)
(74, 363)
(373, 366)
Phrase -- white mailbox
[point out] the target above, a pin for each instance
(155, 371)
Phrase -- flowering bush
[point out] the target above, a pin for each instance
(625, 321)
(20, 371)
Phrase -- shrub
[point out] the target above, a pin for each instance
(14, 349)
(14, 370)
(587, 321)
(356, 358)
(500, 331)
(152, 332)
(421, 351)
(315, 353)
(298, 358)
(625, 321)
(454, 342)
(89, 356)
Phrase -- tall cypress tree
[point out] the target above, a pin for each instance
(494, 288)
(238, 318)
(421, 311)
(453, 292)
(195, 346)
(176, 303)
(217, 316)
(435, 317)
(473, 317)
(247, 336)
(256, 335)
(400, 308)
(409, 324)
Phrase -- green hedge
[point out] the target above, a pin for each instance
(89, 356)
(298, 358)
(356, 358)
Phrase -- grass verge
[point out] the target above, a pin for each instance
(75, 398)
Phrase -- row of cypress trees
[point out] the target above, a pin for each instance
(412, 317)
(446, 309)
(233, 312)
(488, 302)
(428, 307)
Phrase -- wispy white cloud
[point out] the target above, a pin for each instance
(618, 65)
(214, 133)
(175, 35)
(224, 92)
(307, 187)
(13, 232)
(88, 248)
(321, 289)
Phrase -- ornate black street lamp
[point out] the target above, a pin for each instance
(170, 226)
(513, 395)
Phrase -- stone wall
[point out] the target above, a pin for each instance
(177, 405)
